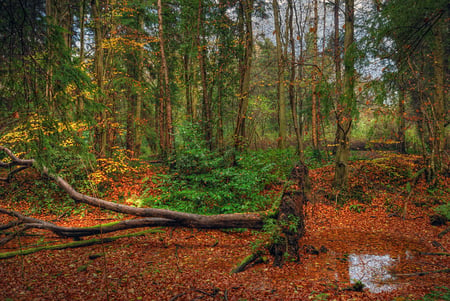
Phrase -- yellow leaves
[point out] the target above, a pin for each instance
(26, 132)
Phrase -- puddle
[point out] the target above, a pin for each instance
(372, 271)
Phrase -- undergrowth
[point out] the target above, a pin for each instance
(209, 182)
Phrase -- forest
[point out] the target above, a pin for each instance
(224, 150)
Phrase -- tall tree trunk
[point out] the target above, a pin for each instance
(280, 78)
(345, 105)
(292, 78)
(188, 85)
(315, 95)
(100, 135)
(166, 106)
(206, 99)
(80, 100)
(245, 64)
(337, 66)
(135, 67)
(438, 119)
(401, 121)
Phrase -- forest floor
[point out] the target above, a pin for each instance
(382, 237)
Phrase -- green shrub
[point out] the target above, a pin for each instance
(444, 210)
(209, 182)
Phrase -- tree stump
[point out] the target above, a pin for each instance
(290, 217)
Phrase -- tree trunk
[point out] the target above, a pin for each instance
(280, 78)
(134, 112)
(346, 102)
(292, 85)
(245, 64)
(166, 106)
(401, 121)
(315, 95)
(100, 135)
(438, 119)
(206, 103)
(290, 217)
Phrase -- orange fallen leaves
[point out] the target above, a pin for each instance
(186, 264)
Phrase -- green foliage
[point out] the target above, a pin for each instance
(315, 296)
(444, 210)
(357, 208)
(441, 293)
(205, 181)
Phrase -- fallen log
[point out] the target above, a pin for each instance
(221, 221)
(288, 220)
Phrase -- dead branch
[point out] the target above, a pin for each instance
(434, 253)
(73, 244)
(76, 232)
(13, 235)
(10, 225)
(423, 273)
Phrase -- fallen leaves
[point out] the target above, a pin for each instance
(184, 264)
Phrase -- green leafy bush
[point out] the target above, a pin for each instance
(444, 210)
(205, 181)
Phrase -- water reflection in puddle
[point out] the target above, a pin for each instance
(372, 271)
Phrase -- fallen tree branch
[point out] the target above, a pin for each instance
(10, 225)
(437, 254)
(252, 259)
(11, 236)
(76, 232)
(73, 244)
(423, 273)
(236, 220)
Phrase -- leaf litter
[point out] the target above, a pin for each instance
(189, 264)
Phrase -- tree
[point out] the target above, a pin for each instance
(413, 37)
(165, 114)
(101, 130)
(346, 103)
(280, 77)
(134, 62)
(245, 25)
(206, 97)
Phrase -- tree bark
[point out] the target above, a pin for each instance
(166, 105)
(346, 102)
(245, 64)
(280, 78)
(292, 78)
(206, 103)
(315, 94)
(100, 135)
(290, 217)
